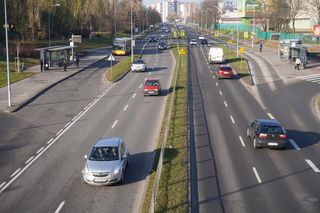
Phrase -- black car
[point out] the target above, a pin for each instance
(152, 39)
(162, 46)
(204, 42)
(267, 133)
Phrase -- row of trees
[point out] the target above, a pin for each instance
(277, 15)
(30, 18)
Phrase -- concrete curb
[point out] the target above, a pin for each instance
(37, 94)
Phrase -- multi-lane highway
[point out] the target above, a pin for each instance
(228, 174)
(42, 160)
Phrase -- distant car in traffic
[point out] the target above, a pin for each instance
(204, 42)
(138, 65)
(201, 37)
(106, 162)
(267, 133)
(224, 71)
(152, 86)
(162, 46)
(152, 39)
(215, 55)
(193, 41)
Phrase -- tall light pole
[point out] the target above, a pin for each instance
(7, 52)
(238, 31)
(49, 22)
(131, 33)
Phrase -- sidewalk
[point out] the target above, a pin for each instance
(22, 92)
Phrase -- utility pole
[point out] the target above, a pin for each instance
(131, 33)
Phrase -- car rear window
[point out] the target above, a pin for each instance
(152, 83)
(271, 129)
(226, 68)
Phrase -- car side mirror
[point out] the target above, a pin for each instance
(85, 157)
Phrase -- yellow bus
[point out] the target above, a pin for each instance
(121, 46)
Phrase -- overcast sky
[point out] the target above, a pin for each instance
(148, 2)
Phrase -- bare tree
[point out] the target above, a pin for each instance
(295, 8)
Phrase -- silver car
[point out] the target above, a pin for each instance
(138, 65)
(106, 162)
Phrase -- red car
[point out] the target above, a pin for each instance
(152, 86)
(224, 71)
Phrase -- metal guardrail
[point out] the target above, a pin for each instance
(155, 187)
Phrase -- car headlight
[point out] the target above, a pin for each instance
(116, 170)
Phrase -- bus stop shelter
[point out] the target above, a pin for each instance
(54, 56)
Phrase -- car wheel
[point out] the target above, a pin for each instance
(255, 144)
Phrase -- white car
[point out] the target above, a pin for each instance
(138, 65)
(193, 42)
(201, 37)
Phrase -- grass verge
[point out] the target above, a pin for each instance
(173, 188)
(318, 103)
(119, 68)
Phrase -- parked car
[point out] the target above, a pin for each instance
(193, 41)
(162, 46)
(215, 55)
(138, 65)
(224, 71)
(267, 133)
(152, 86)
(107, 162)
(204, 42)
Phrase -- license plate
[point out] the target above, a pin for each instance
(151, 91)
(272, 144)
(226, 73)
(100, 180)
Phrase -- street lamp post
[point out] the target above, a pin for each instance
(206, 19)
(49, 22)
(238, 32)
(7, 52)
(131, 33)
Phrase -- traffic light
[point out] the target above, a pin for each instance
(12, 28)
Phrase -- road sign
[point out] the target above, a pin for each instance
(182, 51)
(246, 35)
(241, 50)
(111, 58)
(230, 41)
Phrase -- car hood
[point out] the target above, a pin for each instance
(101, 166)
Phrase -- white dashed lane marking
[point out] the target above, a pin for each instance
(314, 167)
(114, 124)
(134, 95)
(60, 207)
(125, 108)
(13, 174)
(220, 92)
(241, 140)
(232, 119)
(30, 159)
(256, 174)
(294, 144)
(225, 104)
(40, 150)
(271, 116)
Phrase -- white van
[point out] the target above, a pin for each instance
(215, 55)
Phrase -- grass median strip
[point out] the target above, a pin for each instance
(173, 188)
(119, 68)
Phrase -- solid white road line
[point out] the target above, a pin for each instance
(134, 95)
(40, 150)
(47, 147)
(125, 108)
(314, 167)
(2, 184)
(294, 144)
(217, 84)
(256, 174)
(114, 124)
(60, 207)
(232, 119)
(269, 114)
(225, 104)
(29, 159)
(241, 140)
(50, 141)
(220, 92)
(13, 174)
(58, 133)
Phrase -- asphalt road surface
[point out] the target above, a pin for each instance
(41, 172)
(228, 174)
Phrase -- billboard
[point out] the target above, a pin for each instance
(251, 7)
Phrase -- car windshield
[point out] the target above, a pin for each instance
(107, 153)
(139, 62)
(193, 40)
(152, 83)
(118, 47)
(271, 129)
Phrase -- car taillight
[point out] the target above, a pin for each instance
(262, 135)
(282, 136)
